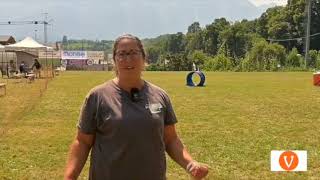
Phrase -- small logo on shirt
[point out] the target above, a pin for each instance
(154, 108)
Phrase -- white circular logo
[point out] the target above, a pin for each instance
(89, 62)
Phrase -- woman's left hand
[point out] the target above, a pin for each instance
(198, 171)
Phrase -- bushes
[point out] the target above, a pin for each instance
(264, 57)
(318, 61)
(314, 56)
(294, 59)
(218, 63)
(154, 67)
(199, 58)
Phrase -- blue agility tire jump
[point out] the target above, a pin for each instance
(190, 81)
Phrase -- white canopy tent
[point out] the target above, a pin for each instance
(1, 48)
(28, 44)
(27, 50)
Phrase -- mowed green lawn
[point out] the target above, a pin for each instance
(232, 124)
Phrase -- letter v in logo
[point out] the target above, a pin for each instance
(286, 161)
(290, 163)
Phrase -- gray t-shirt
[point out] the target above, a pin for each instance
(129, 142)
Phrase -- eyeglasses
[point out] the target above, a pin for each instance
(133, 54)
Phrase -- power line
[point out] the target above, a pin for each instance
(45, 23)
(22, 22)
(292, 39)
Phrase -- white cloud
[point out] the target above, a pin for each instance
(268, 2)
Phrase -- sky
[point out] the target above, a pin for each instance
(268, 2)
(101, 19)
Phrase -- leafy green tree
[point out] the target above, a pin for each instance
(194, 28)
(176, 43)
(153, 54)
(315, 24)
(178, 62)
(261, 25)
(264, 56)
(210, 39)
(64, 40)
(194, 41)
(238, 38)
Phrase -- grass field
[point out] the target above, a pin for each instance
(232, 124)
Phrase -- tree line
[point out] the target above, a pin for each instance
(86, 45)
(272, 42)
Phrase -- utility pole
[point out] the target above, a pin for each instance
(45, 29)
(307, 45)
(35, 35)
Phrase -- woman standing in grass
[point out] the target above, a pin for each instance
(128, 124)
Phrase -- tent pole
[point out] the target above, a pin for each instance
(7, 65)
(52, 71)
(2, 64)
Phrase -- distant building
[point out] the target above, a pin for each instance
(110, 59)
(6, 40)
(50, 55)
(84, 60)
(97, 57)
